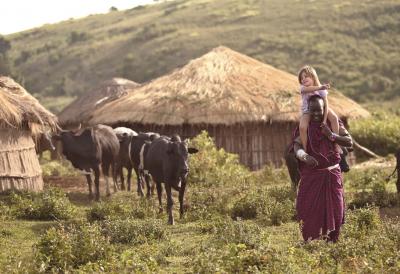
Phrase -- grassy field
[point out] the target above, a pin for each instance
(236, 221)
(353, 44)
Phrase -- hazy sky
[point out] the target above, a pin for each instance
(18, 15)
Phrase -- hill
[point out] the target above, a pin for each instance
(353, 44)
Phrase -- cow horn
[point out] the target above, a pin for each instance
(75, 130)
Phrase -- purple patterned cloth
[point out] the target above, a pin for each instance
(320, 202)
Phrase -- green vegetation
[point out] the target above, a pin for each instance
(380, 132)
(353, 44)
(241, 224)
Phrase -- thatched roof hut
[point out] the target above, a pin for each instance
(22, 118)
(80, 110)
(249, 107)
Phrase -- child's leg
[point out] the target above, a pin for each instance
(304, 121)
(334, 120)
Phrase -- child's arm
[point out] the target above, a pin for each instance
(325, 108)
(314, 88)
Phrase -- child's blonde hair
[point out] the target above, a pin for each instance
(309, 71)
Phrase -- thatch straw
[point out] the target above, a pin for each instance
(80, 110)
(221, 87)
(19, 165)
(20, 110)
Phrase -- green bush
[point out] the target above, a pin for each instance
(369, 187)
(212, 166)
(64, 248)
(135, 232)
(380, 133)
(57, 168)
(206, 203)
(272, 207)
(237, 258)
(227, 231)
(119, 208)
(360, 222)
(51, 204)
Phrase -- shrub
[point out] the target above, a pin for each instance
(131, 231)
(57, 168)
(51, 204)
(239, 232)
(361, 222)
(236, 258)
(120, 208)
(206, 203)
(273, 207)
(212, 166)
(61, 249)
(381, 132)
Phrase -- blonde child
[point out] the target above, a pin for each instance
(310, 85)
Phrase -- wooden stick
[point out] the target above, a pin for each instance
(366, 150)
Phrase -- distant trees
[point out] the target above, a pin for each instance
(113, 9)
(5, 66)
(76, 36)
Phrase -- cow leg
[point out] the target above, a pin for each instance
(97, 182)
(105, 168)
(147, 179)
(181, 194)
(139, 183)
(159, 195)
(114, 176)
(170, 203)
(129, 178)
(89, 181)
(121, 175)
(398, 181)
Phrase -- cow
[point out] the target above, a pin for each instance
(90, 148)
(124, 136)
(167, 162)
(139, 147)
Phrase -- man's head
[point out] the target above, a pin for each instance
(316, 108)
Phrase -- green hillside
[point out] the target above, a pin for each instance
(353, 44)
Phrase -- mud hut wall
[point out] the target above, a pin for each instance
(257, 144)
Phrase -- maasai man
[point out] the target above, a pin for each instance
(320, 205)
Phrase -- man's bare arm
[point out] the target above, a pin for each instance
(302, 155)
(344, 139)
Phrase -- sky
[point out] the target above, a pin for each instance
(19, 15)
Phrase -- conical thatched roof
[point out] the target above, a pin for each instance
(221, 87)
(80, 109)
(20, 110)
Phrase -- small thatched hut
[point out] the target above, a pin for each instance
(79, 110)
(22, 118)
(250, 108)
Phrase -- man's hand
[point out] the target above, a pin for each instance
(326, 131)
(310, 161)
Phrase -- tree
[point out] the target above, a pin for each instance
(5, 45)
(5, 67)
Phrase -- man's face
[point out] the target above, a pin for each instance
(316, 108)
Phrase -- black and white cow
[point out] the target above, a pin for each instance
(125, 136)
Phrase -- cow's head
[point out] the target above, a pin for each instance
(179, 151)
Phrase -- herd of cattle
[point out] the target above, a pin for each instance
(101, 148)
(154, 158)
